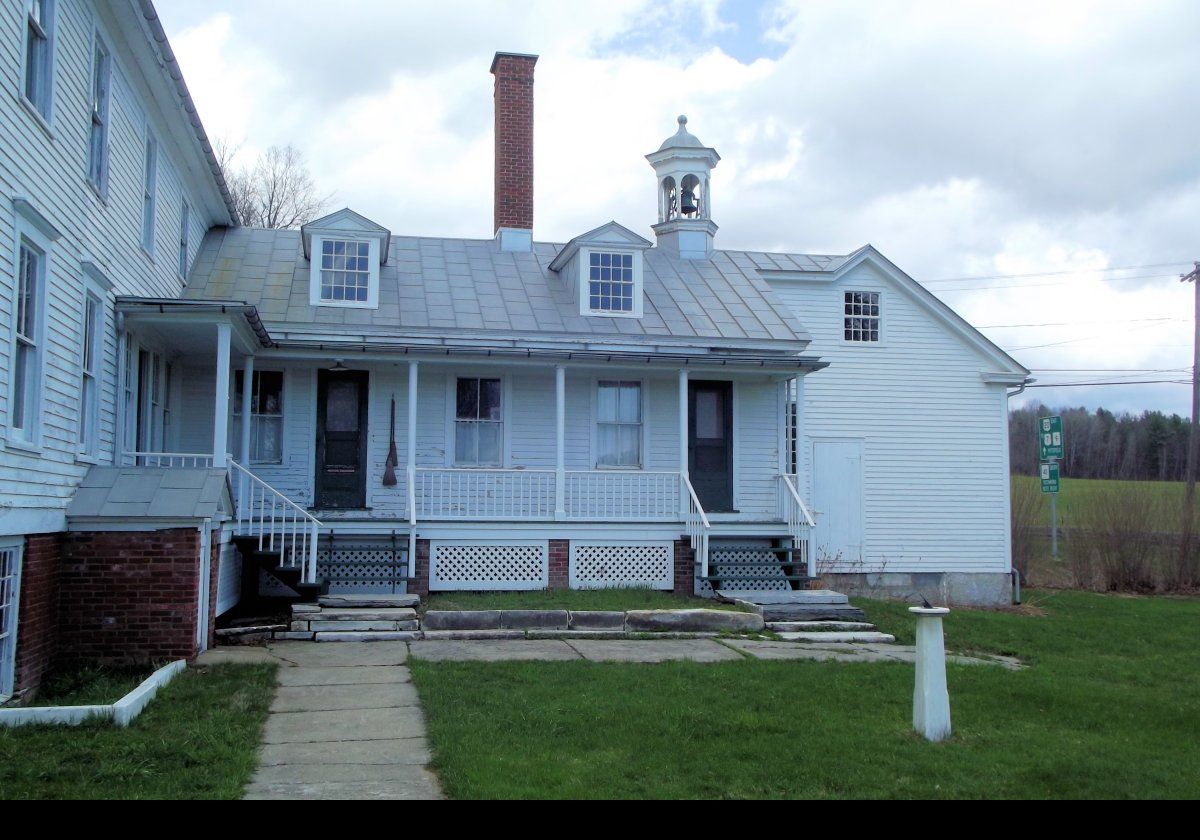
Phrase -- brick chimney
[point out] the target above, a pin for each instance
(514, 149)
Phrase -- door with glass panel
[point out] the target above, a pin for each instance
(341, 479)
(710, 443)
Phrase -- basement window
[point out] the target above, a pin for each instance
(861, 316)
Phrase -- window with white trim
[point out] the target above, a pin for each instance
(154, 421)
(618, 423)
(185, 213)
(25, 397)
(149, 192)
(266, 415)
(345, 271)
(98, 142)
(89, 373)
(611, 287)
(11, 549)
(862, 316)
(478, 422)
(39, 55)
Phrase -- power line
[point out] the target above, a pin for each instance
(1059, 273)
(1044, 285)
(1100, 384)
(1077, 323)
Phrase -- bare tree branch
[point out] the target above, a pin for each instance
(277, 192)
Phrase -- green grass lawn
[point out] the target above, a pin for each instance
(196, 740)
(1107, 708)
(89, 685)
(571, 599)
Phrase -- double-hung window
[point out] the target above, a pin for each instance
(478, 423)
(618, 423)
(98, 145)
(89, 374)
(611, 283)
(345, 271)
(266, 415)
(25, 401)
(861, 316)
(39, 59)
(149, 193)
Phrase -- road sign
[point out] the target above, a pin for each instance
(1050, 439)
(1049, 477)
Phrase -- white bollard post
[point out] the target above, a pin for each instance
(931, 699)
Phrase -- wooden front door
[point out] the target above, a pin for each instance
(710, 443)
(341, 480)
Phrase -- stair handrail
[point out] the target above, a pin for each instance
(696, 522)
(799, 519)
(294, 529)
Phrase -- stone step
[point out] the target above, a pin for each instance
(362, 614)
(369, 636)
(339, 626)
(819, 626)
(816, 612)
(855, 638)
(384, 601)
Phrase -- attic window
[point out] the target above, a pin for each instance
(345, 272)
(612, 283)
(862, 316)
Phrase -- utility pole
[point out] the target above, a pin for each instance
(1192, 277)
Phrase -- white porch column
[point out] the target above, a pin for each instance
(247, 399)
(411, 466)
(221, 403)
(683, 434)
(560, 447)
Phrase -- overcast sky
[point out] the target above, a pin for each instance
(1008, 143)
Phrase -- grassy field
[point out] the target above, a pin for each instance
(571, 599)
(1107, 708)
(197, 740)
(1078, 494)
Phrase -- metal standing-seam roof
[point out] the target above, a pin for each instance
(150, 493)
(471, 285)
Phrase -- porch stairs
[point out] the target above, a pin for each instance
(259, 556)
(355, 618)
(815, 615)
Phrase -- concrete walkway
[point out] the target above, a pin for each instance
(345, 723)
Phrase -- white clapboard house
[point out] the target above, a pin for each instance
(343, 406)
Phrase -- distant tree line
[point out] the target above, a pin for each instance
(1151, 446)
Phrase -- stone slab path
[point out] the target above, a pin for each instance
(345, 723)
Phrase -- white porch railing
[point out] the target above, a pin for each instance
(622, 496)
(696, 524)
(800, 522)
(279, 523)
(484, 494)
(171, 460)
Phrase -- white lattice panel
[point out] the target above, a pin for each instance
(378, 569)
(497, 564)
(600, 565)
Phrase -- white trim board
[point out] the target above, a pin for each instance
(121, 713)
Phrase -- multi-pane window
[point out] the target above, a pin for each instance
(619, 424)
(478, 423)
(89, 399)
(26, 393)
(862, 316)
(98, 146)
(266, 415)
(149, 193)
(185, 213)
(129, 374)
(10, 587)
(345, 271)
(610, 282)
(39, 27)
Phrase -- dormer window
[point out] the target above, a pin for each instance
(345, 252)
(345, 271)
(610, 282)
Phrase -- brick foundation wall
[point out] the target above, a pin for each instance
(129, 596)
(37, 621)
(560, 558)
(420, 571)
(685, 568)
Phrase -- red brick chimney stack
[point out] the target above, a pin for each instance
(514, 140)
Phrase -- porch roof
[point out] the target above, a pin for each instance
(446, 286)
(120, 494)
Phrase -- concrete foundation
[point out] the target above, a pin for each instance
(980, 589)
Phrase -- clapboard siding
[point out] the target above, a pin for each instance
(48, 167)
(935, 435)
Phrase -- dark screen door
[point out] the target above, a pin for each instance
(710, 443)
(341, 439)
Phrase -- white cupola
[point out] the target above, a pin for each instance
(683, 167)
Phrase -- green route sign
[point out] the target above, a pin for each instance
(1050, 438)
(1049, 473)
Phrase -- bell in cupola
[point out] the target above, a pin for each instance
(687, 201)
(683, 168)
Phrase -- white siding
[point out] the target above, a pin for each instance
(935, 435)
(49, 168)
